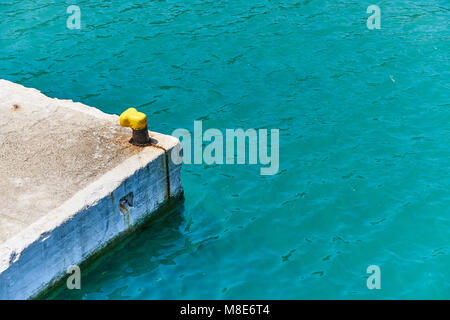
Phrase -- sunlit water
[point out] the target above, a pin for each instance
(364, 139)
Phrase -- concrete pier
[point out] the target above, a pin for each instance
(70, 182)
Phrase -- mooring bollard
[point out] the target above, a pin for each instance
(137, 121)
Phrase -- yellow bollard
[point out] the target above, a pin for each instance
(137, 121)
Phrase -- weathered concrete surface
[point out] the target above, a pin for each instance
(69, 183)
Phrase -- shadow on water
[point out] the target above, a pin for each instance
(155, 242)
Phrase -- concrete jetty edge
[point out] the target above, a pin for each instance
(115, 200)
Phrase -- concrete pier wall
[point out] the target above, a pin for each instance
(95, 187)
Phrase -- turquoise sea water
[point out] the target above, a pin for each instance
(364, 139)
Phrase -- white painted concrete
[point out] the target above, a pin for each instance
(85, 188)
